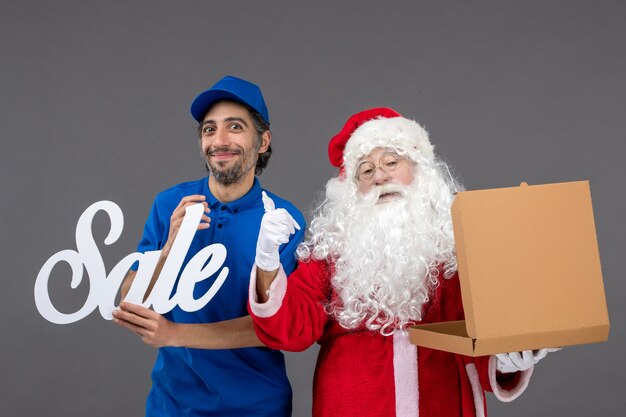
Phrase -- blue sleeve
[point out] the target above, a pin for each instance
(288, 250)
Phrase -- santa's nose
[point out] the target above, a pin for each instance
(380, 176)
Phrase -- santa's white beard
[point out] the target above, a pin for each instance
(388, 257)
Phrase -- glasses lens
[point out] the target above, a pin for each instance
(389, 162)
(365, 171)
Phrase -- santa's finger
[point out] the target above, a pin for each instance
(287, 219)
(282, 239)
(518, 360)
(294, 223)
(528, 357)
(268, 203)
(503, 357)
(504, 363)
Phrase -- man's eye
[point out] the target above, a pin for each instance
(208, 129)
(235, 126)
(391, 164)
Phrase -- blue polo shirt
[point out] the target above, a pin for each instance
(234, 382)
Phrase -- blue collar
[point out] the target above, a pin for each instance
(249, 199)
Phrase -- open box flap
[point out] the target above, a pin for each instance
(452, 337)
(528, 264)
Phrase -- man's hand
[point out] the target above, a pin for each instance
(176, 220)
(179, 213)
(276, 227)
(157, 331)
(521, 361)
(153, 329)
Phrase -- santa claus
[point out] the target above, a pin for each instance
(379, 257)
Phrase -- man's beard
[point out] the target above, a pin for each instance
(226, 176)
(389, 255)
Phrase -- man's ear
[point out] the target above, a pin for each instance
(266, 139)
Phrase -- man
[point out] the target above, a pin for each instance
(191, 381)
(379, 256)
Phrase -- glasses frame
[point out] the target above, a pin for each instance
(397, 158)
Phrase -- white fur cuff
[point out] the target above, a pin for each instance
(502, 394)
(276, 294)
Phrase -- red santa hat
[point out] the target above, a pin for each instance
(379, 127)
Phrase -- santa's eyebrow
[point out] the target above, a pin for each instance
(382, 155)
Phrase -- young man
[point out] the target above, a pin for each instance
(206, 377)
(379, 256)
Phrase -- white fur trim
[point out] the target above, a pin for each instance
(276, 293)
(504, 395)
(404, 135)
(477, 390)
(405, 375)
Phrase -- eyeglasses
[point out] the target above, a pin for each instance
(387, 163)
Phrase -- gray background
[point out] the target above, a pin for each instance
(94, 105)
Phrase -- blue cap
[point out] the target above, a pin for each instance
(230, 88)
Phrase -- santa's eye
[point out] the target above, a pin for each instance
(391, 164)
(365, 170)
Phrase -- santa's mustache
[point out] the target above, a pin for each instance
(224, 149)
(378, 191)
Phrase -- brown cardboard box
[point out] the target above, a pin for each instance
(529, 270)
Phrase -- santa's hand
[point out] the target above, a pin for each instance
(521, 361)
(276, 227)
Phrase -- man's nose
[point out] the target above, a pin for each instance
(221, 138)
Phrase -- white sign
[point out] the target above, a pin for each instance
(104, 288)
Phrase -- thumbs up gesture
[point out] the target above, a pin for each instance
(276, 227)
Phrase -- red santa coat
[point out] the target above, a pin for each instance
(363, 373)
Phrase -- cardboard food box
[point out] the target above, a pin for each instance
(529, 270)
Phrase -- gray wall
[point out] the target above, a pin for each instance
(94, 105)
